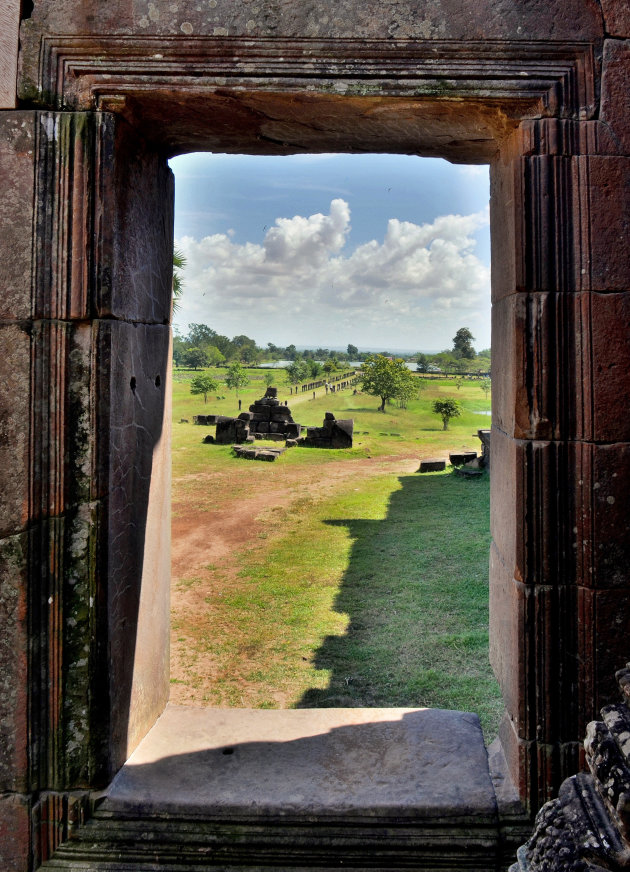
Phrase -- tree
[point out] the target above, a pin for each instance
(296, 372)
(203, 384)
(407, 390)
(200, 335)
(447, 409)
(485, 386)
(179, 263)
(315, 368)
(214, 355)
(422, 362)
(462, 343)
(236, 377)
(386, 378)
(194, 358)
(270, 378)
(331, 365)
(353, 352)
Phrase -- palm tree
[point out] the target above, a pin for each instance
(179, 263)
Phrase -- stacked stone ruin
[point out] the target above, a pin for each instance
(269, 419)
(266, 418)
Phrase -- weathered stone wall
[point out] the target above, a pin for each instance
(101, 94)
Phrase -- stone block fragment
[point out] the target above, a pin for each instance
(432, 465)
(458, 458)
(269, 456)
(341, 433)
(293, 430)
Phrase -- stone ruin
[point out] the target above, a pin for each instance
(269, 419)
(332, 434)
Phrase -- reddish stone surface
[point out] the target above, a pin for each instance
(616, 87)
(401, 19)
(15, 828)
(13, 663)
(616, 18)
(134, 416)
(9, 43)
(604, 200)
(508, 624)
(604, 629)
(15, 404)
(134, 221)
(17, 181)
(607, 318)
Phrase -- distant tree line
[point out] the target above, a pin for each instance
(202, 347)
(461, 358)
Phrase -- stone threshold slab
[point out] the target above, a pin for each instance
(309, 765)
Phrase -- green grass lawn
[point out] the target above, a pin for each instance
(369, 590)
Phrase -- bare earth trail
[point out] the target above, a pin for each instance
(206, 542)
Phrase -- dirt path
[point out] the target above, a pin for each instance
(236, 511)
(203, 537)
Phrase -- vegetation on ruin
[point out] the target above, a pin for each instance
(332, 578)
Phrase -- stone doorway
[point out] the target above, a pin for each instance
(86, 331)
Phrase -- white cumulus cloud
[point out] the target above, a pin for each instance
(302, 286)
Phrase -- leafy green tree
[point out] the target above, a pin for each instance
(331, 365)
(236, 377)
(215, 357)
(194, 358)
(296, 372)
(407, 389)
(447, 408)
(315, 368)
(200, 335)
(486, 386)
(353, 352)
(422, 362)
(203, 384)
(270, 378)
(462, 343)
(385, 377)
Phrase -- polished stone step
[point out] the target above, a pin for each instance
(301, 789)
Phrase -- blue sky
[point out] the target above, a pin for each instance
(387, 251)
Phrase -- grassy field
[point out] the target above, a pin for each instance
(332, 578)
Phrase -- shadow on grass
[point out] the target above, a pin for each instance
(416, 595)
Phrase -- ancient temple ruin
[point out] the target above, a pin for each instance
(94, 97)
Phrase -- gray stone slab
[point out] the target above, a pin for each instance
(309, 764)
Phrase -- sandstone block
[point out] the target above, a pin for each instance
(434, 465)
(15, 389)
(607, 317)
(9, 42)
(616, 86)
(603, 628)
(458, 458)
(617, 18)
(341, 433)
(14, 701)
(17, 162)
(604, 187)
(15, 833)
